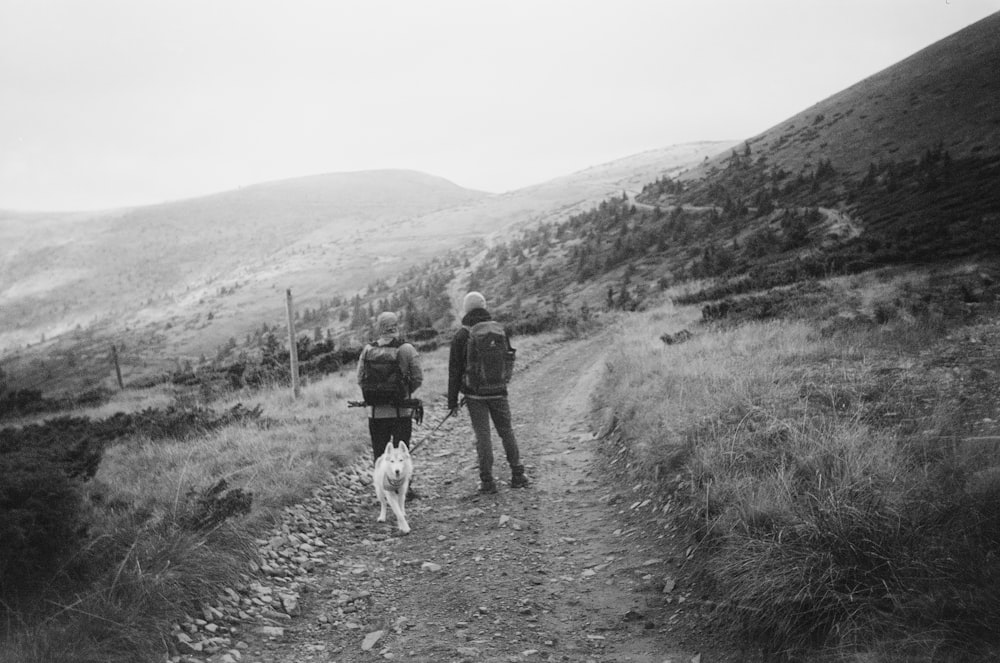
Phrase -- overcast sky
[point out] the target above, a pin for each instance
(107, 103)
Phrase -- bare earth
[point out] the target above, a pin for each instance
(574, 568)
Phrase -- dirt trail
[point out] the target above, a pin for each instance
(555, 572)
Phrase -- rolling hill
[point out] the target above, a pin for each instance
(61, 271)
(837, 464)
(900, 168)
(171, 283)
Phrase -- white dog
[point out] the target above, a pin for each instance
(391, 477)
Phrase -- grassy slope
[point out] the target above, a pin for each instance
(141, 567)
(942, 94)
(834, 483)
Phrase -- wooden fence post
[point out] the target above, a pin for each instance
(118, 368)
(293, 349)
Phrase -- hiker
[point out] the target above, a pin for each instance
(389, 372)
(479, 366)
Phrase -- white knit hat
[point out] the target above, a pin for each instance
(472, 301)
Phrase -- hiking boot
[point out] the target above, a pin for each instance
(488, 487)
(519, 481)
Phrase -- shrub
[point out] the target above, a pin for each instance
(40, 522)
(19, 402)
(210, 507)
(141, 572)
(42, 514)
(885, 312)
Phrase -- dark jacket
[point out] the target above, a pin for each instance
(456, 357)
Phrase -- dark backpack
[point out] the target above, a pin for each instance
(382, 381)
(489, 360)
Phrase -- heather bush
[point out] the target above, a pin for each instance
(41, 509)
(41, 520)
(66, 529)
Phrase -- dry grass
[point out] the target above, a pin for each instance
(819, 530)
(663, 393)
(144, 566)
(279, 463)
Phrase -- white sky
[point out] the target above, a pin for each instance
(120, 102)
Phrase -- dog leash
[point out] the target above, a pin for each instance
(425, 437)
(436, 428)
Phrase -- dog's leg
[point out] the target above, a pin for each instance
(402, 495)
(380, 494)
(397, 500)
(382, 511)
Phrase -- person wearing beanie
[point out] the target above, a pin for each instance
(472, 301)
(486, 402)
(389, 372)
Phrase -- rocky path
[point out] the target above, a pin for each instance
(574, 568)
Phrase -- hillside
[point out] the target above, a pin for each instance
(944, 95)
(172, 283)
(788, 206)
(898, 169)
(61, 271)
(760, 420)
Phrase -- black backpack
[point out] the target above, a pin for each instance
(382, 381)
(489, 360)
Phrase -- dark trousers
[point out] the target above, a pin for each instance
(395, 429)
(481, 412)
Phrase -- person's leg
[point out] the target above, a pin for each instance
(381, 432)
(500, 413)
(479, 415)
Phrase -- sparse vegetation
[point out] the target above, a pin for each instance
(826, 437)
(135, 554)
(808, 483)
(825, 517)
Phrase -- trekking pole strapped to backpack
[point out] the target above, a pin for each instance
(414, 405)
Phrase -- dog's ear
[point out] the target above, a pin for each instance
(405, 449)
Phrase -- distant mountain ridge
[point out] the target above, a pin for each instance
(78, 266)
(899, 167)
(209, 268)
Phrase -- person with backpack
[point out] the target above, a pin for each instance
(480, 364)
(388, 373)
